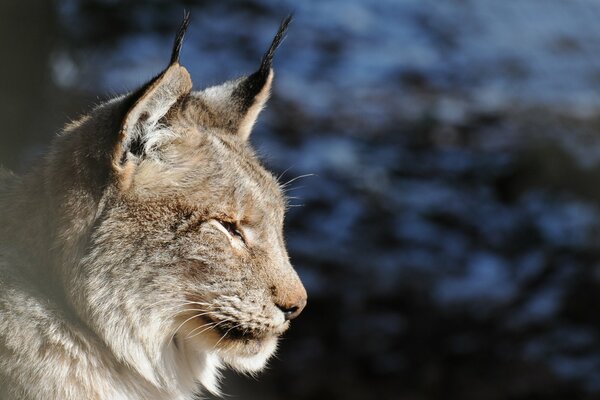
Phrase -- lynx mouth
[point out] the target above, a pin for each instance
(232, 331)
(243, 348)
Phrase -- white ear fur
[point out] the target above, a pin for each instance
(141, 121)
(233, 106)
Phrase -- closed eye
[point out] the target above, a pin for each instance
(233, 229)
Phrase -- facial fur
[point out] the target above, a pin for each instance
(167, 233)
(202, 226)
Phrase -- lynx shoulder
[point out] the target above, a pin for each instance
(145, 252)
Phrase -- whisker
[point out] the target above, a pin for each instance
(200, 303)
(223, 337)
(204, 330)
(286, 190)
(283, 173)
(181, 307)
(163, 301)
(184, 322)
(225, 319)
(208, 324)
(178, 303)
(295, 179)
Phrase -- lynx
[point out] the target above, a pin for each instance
(145, 252)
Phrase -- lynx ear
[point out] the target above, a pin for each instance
(235, 105)
(146, 106)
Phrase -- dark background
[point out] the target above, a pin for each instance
(449, 237)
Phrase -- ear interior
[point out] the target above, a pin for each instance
(234, 105)
(138, 130)
(146, 106)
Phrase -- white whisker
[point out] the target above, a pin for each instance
(184, 322)
(286, 190)
(283, 173)
(295, 179)
(223, 337)
(163, 301)
(204, 330)
(193, 333)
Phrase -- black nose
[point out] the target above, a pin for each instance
(291, 312)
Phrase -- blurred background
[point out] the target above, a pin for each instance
(449, 238)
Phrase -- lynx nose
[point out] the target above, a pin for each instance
(288, 293)
(292, 311)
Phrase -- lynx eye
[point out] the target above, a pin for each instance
(233, 229)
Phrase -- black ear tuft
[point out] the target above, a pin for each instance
(267, 59)
(248, 90)
(179, 38)
(235, 105)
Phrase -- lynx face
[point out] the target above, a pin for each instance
(184, 261)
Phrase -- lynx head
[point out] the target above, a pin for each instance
(171, 238)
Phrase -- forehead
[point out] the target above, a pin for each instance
(213, 168)
(251, 181)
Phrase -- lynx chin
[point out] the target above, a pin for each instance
(145, 252)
